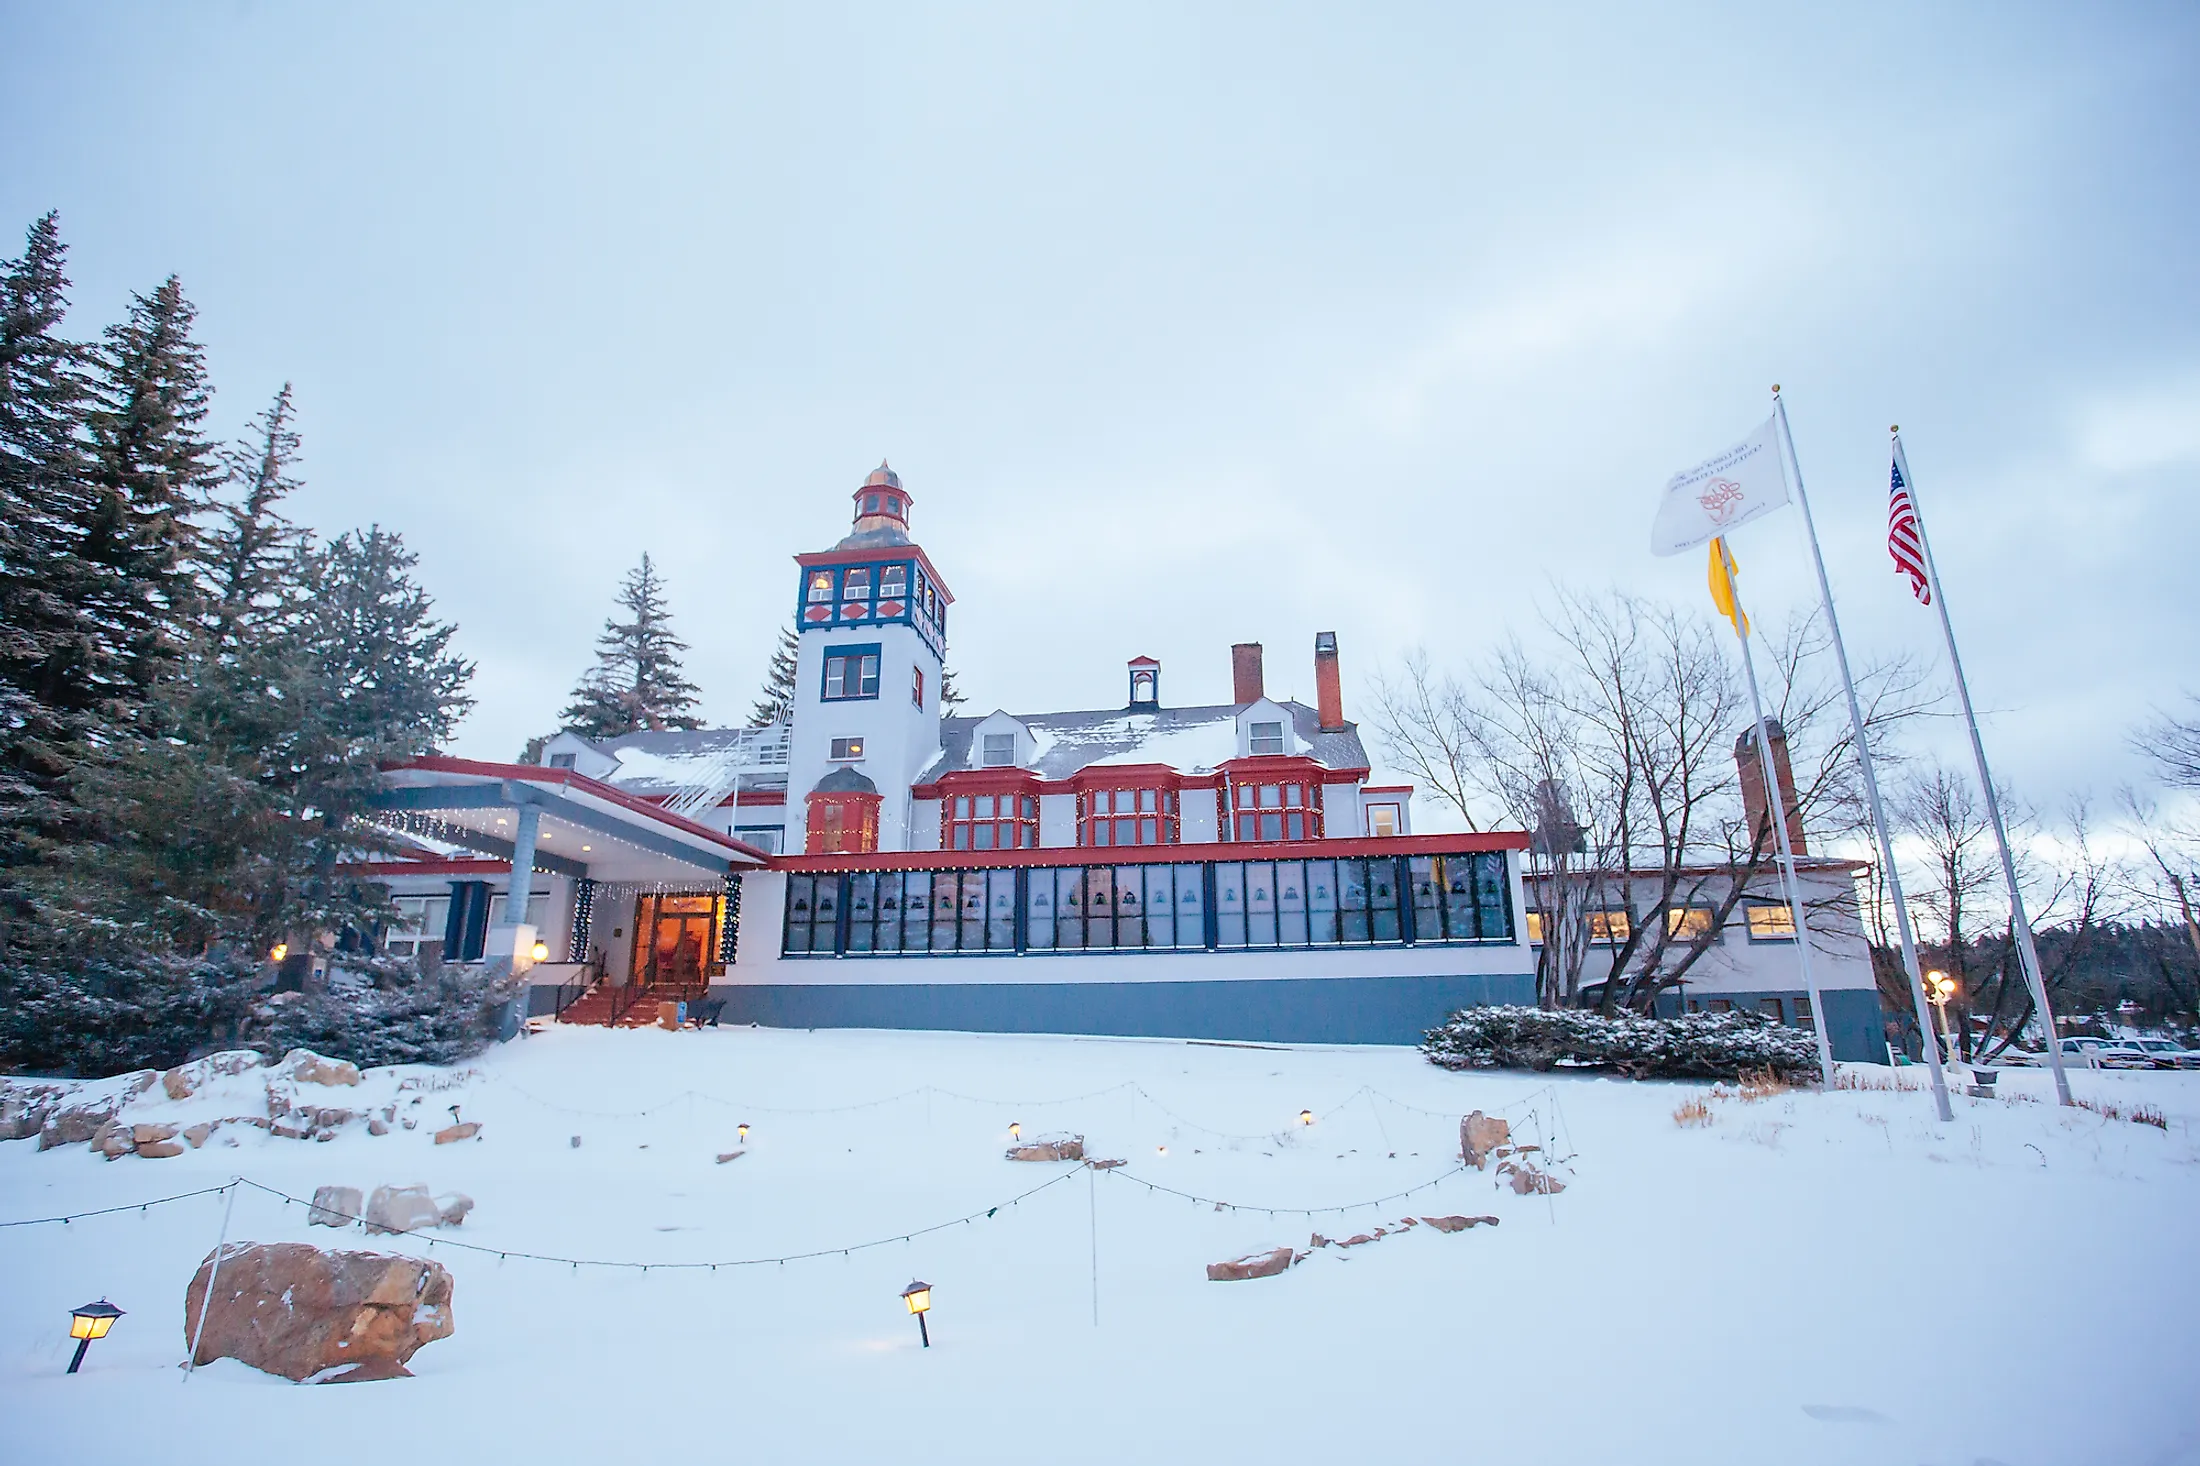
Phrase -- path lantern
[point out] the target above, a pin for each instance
(918, 1298)
(1015, 1131)
(88, 1323)
(742, 1130)
(1306, 1117)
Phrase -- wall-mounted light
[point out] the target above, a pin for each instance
(278, 952)
(540, 952)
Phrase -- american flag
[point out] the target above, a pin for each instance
(1902, 538)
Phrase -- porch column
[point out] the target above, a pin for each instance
(523, 868)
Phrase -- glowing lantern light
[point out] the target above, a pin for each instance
(88, 1323)
(742, 1130)
(918, 1298)
(541, 952)
(1015, 1131)
(1306, 1117)
(278, 952)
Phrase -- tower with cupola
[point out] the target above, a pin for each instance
(872, 613)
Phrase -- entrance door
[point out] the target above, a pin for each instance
(677, 939)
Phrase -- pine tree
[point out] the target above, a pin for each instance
(777, 703)
(44, 628)
(152, 473)
(636, 684)
(251, 552)
(951, 696)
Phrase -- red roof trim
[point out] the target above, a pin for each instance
(1386, 789)
(1158, 854)
(436, 763)
(872, 557)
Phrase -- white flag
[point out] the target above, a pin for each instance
(1720, 493)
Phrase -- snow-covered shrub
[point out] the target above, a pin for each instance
(88, 1011)
(403, 1015)
(1693, 1046)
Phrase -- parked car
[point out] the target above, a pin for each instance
(2103, 1053)
(2163, 1053)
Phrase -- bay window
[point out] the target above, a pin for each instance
(1140, 816)
(989, 822)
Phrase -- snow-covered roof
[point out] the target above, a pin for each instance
(1195, 740)
(661, 763)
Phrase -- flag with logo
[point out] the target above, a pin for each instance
(1721, 493)
(1904, 542)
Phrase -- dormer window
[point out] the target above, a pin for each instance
(821, 585)
(1266, 737)
(1000, 750)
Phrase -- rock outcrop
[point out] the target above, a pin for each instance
(318, 1317)
(1252, 1265)
(335, 1206)
(1479, 1134)
(402, 1209)
(1050, 1148)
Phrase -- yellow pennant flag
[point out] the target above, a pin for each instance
(1723, 571)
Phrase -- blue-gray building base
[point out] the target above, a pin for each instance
(1856, 1026)
(1333, 1010)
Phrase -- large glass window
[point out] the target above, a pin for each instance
(851, 673)
(418, 924)
(1279, 811)
(989, 822)
(1770, 923)
(1163, 905)
(1127, 817)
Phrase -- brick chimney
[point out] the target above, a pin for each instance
(1245, 678)
(1328, 686)
(1753, 784)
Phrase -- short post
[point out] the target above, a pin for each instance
(918, 1298)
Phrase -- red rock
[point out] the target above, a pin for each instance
(1479, 1134)
(1053, 1148)
(319, 1317)
(1458, 1224)
(1252, 1265)
(451, 1133)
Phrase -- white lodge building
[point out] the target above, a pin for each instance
(1221, 871)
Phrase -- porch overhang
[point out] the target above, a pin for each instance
(584, 827)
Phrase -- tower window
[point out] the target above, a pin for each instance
(821, 585)
(847, 750)
(1142, 687)
(870, 503)
(1267, 737)
(893, 582)
(916, 686)
(851, 673)
(1000, 750)
(857, 586)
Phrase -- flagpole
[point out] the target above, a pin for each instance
(1871, 782)
(1776, 814)
(2028, 955)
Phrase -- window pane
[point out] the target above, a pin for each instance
(1294, 826)
(983, 807)
(1229, 904)
(836, 669)
(1191, 906)
(1492, 896)
(821, 585)
(945, 888)
(1100, 907)
(972, 911)
(1291, 903)
(1321, 901)
(1039, 911)
(1246, 826)
(962, 837)
(1130, 906)
(1271, 827)
(1260, 905)
(1126, 832)
(1148, 833)
(1271, 796)
(857, 587)
(982, 837)
(862, 910)
(1145, 800)
(870, 677)
(1382, 900)
(1160, 906)
(1069, 908)
(1099, 832)
(801, 894)
(1000, 911)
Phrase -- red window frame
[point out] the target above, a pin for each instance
(987, 809)
(842, 824)
(1147, 812)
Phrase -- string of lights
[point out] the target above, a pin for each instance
(1281, 1211)
(138, 1206)
(503, 1254)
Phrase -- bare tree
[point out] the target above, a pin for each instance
(1612, 744)
(2174, 745)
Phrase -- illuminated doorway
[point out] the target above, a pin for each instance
(676, 940)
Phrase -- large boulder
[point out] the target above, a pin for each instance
(185, 1080)
(303, 1066)
(1050, 1148)
(1479, 1134)
(78, 1121)
(25, 1108)
(1252, 1265)
(334, 1206)
(318, 1317)
(402, 1209)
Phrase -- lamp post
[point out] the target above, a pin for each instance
(918, 1298)
(741, 1131)
(1015, 1130)
(1306, 1117)
(88, 1323)
(1943, 986)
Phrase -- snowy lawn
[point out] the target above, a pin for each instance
(1808, 1278)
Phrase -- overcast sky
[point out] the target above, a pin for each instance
(1185, 325)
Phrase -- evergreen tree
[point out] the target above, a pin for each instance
(251, 552)
(636, 684)
(45, 627)
(152, 471)
(777, 703)
(951, 696)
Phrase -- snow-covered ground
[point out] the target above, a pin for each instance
(1809, 1278)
